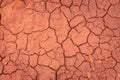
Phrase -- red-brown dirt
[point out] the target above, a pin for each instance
(59, 39)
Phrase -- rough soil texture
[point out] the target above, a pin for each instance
(59, 39)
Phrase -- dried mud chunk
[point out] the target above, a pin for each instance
(77, 20)
(103, 4)
(106, 46)
(1, 68)
(112, 22)
(66, 2)
(5, 2)
(5, 77)
(67, 12)
(56, 18)
(98, 54)
(79, 59)
(45, 73)
(62, 34)
(1, 33)
(114, 1)
(22, 61)
(106, 53)
(47, 40)
(61, 30)
(93, 40)
(115, 11)
(77, 2)
(21, 41)
(84, 68)
(40, 7)
(92, 8)
(116, 54)
(40, 21)
(33, 60)
(117, 68)
(8, 36)
(79, 37)
(96, 25)
(70, 48)
(31, 72)
(51, 6)
(99, 66)
(75, 10)
(70, 61)
(33, 47)
(109, 63)
(44, 60)
(59, 55)
(12, 19)
(9, 68)
(106, 35)
(28, 20)
(2, 48)
(5, 60)
(110, 73)
(21, 75)
(86, 48)
(10, 47)
(14, 56)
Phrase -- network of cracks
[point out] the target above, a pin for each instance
(60, 40)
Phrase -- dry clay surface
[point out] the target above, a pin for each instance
(59, 39)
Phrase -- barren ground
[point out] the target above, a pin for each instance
(59, 39)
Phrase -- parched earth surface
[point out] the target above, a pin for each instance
(59, 39)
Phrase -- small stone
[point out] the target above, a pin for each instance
(90, 58)
(89, 75)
